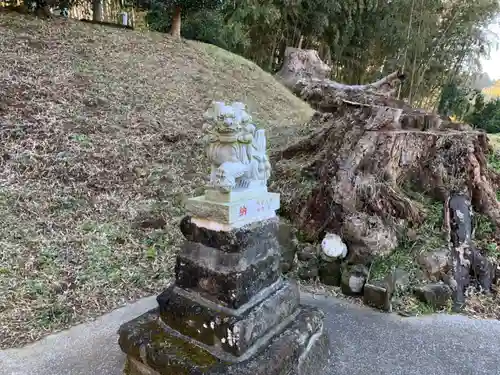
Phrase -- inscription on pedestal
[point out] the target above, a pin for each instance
(235, 213)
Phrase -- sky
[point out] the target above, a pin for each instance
(492, 65)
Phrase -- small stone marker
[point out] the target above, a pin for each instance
(229, 311)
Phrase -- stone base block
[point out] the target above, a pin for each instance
(228, 279)
(235, 195)
(234, 331)
(152, 348)
(235, 213)
(234, 240)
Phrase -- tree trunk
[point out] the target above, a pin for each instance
(42, 9)
(176, 23)
(132, 18)
(301, 40)
(465, 258)
(97, 10)
(273, 53)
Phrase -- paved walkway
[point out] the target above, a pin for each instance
(363, 342)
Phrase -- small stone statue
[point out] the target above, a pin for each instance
(236, 149)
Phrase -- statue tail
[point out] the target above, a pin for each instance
(259, 141)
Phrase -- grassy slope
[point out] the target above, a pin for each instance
(99, 132)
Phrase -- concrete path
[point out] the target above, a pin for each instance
(363, 342)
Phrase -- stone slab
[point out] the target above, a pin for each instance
(235, 213)
(234, 240)
(229, 279)
(301, 348)
(232, 331)
(375, 294)
(235, 195)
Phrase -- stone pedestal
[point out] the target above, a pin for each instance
(229, 311)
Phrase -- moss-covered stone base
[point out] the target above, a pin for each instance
(302, 348)
(233, 331)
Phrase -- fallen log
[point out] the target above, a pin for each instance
(307, 76)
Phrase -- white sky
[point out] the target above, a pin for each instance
(492, 65)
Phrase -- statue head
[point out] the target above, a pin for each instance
(227, 119)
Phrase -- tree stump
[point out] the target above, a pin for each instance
(364, 149)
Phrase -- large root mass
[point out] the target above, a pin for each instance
(351, 175)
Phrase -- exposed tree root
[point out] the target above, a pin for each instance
(306, 75)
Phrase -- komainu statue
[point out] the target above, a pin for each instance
(236, 149)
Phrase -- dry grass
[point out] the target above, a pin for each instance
(483, 307)
(100, 143)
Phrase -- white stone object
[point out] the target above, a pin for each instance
(235, 213)
(356, 283)
(124, 18)
(237, 191)
(236, 149)
(333, 246)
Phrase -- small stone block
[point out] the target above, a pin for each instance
(376, 295)
(330, 273)
(229, 279)
(234, 240)
(235, 331)
(302, 348)
(235, 213)
(353, 279)
(308, 270)
(436, 295)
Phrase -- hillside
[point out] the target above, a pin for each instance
(100, 142)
